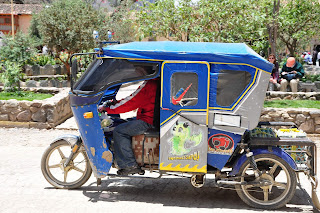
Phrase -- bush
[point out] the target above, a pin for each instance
(45, 59)
(20, 50)
(310, 78)
(10, 76)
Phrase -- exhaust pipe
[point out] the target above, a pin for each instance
(230, 182)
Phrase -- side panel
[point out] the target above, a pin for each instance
(183, 146)
(93, 139)
(184, 115)
(220, 147)
(244, 86)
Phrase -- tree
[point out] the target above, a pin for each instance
(299, 20)
(272, 24)
(164, 19)
(206, 20)
(67, 25)
(120, 22)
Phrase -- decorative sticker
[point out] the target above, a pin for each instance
(220, 144)
(185, 148)
(183, 140)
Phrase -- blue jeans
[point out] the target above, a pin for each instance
(122, 141)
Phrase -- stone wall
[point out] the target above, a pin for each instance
(307, 120)
(46, 113)
(35, 70)
(277, 95)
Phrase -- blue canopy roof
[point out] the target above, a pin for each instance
(189, 51)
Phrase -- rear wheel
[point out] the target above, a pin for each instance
(52, 166)
(273, 189)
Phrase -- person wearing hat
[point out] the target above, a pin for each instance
(291, 72)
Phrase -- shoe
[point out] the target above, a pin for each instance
(130, 171)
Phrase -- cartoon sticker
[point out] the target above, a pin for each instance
(183, 139)
(220, 144)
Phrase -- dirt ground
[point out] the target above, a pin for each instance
(24, 189)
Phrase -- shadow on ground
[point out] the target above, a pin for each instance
(177, 192)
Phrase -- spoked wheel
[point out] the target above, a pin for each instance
(273, 189)
(52, 166)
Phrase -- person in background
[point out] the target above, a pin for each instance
(109, 35)
(274, 79)
(291, 72)
(308, 58)
(314, 56)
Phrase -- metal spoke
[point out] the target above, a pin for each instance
(265, 195)
(77, 169)
(282, 185)
(248, 186)
(65, 176)
(61, 153)
(54, 166)
(273, 169)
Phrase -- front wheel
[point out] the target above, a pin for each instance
(273, 189)
(65, 177)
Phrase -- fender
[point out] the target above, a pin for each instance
(275, 151)
(71, 139)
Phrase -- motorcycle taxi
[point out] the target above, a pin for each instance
(208, 106)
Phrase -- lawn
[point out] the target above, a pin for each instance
(24, 95)
(292, 104)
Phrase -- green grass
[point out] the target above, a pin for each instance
(24, 95)
(292, 104)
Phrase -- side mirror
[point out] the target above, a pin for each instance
(74, 69)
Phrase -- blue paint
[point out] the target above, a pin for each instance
(275, 151)
(219, 160)
(201, 70)
(189, 51)
(214, 74)
(80, 100)
(93, 138)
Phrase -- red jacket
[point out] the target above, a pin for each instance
(142, 99)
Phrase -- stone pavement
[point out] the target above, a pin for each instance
(24, 189)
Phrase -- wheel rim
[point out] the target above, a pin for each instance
(274, 191)
(73, 173)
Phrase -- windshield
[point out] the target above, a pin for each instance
(103, 73)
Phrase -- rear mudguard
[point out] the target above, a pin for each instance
(274, 151)
(71, 139)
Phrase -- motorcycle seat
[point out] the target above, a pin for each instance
(152, 132)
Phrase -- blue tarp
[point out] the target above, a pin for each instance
(189, 51)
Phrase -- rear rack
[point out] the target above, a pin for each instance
(301, 149)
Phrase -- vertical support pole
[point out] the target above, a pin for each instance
(12, 19)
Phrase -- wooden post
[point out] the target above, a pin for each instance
(12, 19)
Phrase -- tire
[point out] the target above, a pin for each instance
(268, 197)
(65, 177)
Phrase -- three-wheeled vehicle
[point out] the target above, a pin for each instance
(208, 106)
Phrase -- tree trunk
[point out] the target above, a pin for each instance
(66, 63)
(68, 71)
(273, 28)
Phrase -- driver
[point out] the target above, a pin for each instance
(142, 99)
